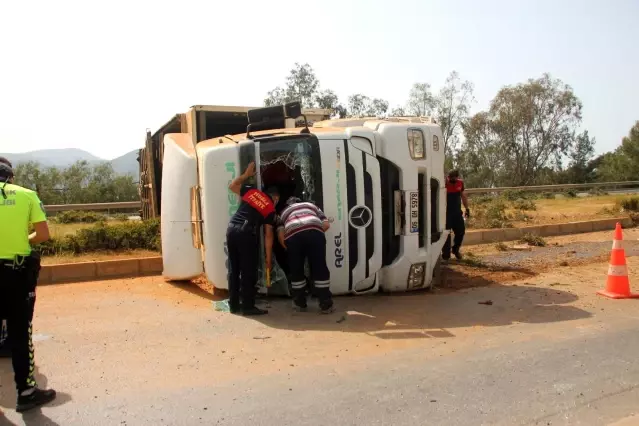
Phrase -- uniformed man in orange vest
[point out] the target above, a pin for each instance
(257, 209)
(454, 217)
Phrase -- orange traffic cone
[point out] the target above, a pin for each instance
(618, 284)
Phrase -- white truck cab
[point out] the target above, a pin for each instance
(379, 181)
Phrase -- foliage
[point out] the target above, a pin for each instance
(533, 240)
(571, 193)
(501, 247)
(453, 108)
(421, 101)
(79, 183)
(629, 204)
(101, 236)
(514, 195)
(623, 163)
(524, 205)
(362, 106)
(75, 216)
(490, 215)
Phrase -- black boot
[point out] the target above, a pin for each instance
(35, 399)
(457, 254)
(253, 311)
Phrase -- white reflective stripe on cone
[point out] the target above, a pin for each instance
(618, 270)
(617, 244)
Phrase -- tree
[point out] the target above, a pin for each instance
(301, 85)
(328, 99)
(79, 183)
(361, 105)
(579, 170)
(623, 163)
(398, 111)
(535, 123)
(481, 159)
(452, 109)
(420, 100)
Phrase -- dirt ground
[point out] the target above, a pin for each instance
(130, 336)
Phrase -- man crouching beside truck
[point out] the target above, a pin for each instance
(301, 233)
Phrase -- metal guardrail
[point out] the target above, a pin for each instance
(94, 206)
(553, 188)
(539, 188)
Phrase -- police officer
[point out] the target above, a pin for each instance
(301, 231)
(454, 218)
(19, 208)
(257, 208)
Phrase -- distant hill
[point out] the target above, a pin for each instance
(127, 164)
(62, 158)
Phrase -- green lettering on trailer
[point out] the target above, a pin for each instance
(232, 198)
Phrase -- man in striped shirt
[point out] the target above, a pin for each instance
(301, 231)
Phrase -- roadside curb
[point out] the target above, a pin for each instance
(100, 270)
(136, 267)
(510, 234)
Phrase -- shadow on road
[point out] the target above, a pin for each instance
(8, 397)
(478, 300)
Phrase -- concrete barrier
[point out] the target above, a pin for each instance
(123, 268)
(511, 234)
(100, 270)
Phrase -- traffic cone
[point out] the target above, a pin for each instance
(618, 284)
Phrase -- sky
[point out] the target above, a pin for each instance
(96, 75)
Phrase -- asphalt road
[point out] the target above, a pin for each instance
(537, 355)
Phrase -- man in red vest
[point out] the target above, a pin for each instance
(257, 209)
(454, 218)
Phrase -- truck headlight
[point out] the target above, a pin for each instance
(416, 144)
(416, 275)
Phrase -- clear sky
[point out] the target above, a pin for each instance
(95, 75)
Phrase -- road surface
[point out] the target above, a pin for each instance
(547, 351)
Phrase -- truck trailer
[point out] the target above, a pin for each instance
(379, 181)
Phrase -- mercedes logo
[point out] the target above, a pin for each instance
(360, 216)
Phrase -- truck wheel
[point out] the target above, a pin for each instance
(437, 275)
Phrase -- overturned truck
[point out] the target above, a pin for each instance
(379, 181)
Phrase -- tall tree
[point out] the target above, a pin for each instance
(398, 111)
(580, 156)
(481, 157)
(623, 163)
(301, 85)
(536, 123)
(361, 105)
(328, 99)
(452, 109)
(421, 101)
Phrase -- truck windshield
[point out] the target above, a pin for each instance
(293, 165)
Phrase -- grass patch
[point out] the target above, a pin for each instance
(525, 205)
(597, 192)
(533, 240)
(548, 195)
(501, 247)
(470, 259)
(491, 215)
(79, 217)
(629, 204)
(511, 195)
(134, 235)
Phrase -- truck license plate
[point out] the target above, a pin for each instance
(414, 212)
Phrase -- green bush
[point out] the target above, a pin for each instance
(597, 192)
(533, 240)
(524, 205)
(514, 195)
(101, 236)
(481, 199)
(571, 193)
(490, 215)
(122, 217)
(79, 217)
(629, 204)
(548, 195)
